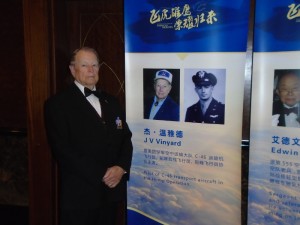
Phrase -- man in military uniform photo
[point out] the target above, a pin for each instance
(207, 109)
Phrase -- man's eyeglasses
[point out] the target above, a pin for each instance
(286, 91)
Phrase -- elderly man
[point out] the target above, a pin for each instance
(162, 106)
(207, 109)
(91, 143)
(286, 111)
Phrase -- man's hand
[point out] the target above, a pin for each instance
(113, 176)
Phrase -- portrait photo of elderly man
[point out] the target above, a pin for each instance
(207, 109)
(161, 94)
(286, 112)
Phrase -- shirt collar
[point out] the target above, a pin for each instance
(81, 87)
(160, 102)
(286, 106)
(205, 103)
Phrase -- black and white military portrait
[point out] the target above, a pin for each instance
(205, 96)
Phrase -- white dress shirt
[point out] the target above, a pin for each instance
(92, 99)
(291, 119)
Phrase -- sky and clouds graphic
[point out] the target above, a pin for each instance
(198, 203)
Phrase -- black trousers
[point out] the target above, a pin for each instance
(105, 215)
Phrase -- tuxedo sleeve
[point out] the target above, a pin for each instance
(122, 144)
(125, 156)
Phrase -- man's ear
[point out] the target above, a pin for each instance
(72, 69)
(277, 91)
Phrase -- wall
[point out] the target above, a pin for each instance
(13, 125)
(13, 144)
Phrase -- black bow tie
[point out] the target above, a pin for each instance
(287, 111)
(88, 92)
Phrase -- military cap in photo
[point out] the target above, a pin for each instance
(163, 74)
(202, 78)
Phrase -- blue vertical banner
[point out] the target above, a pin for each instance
(274, 169)
(185, 63)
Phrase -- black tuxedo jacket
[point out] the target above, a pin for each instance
(85, 145)
(278, 108)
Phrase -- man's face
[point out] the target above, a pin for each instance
(289, 89)
(204, 92)
(162, 88)
(85, 69)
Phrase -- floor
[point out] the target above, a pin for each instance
(13, 215)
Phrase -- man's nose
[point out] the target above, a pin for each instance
(90, 68)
